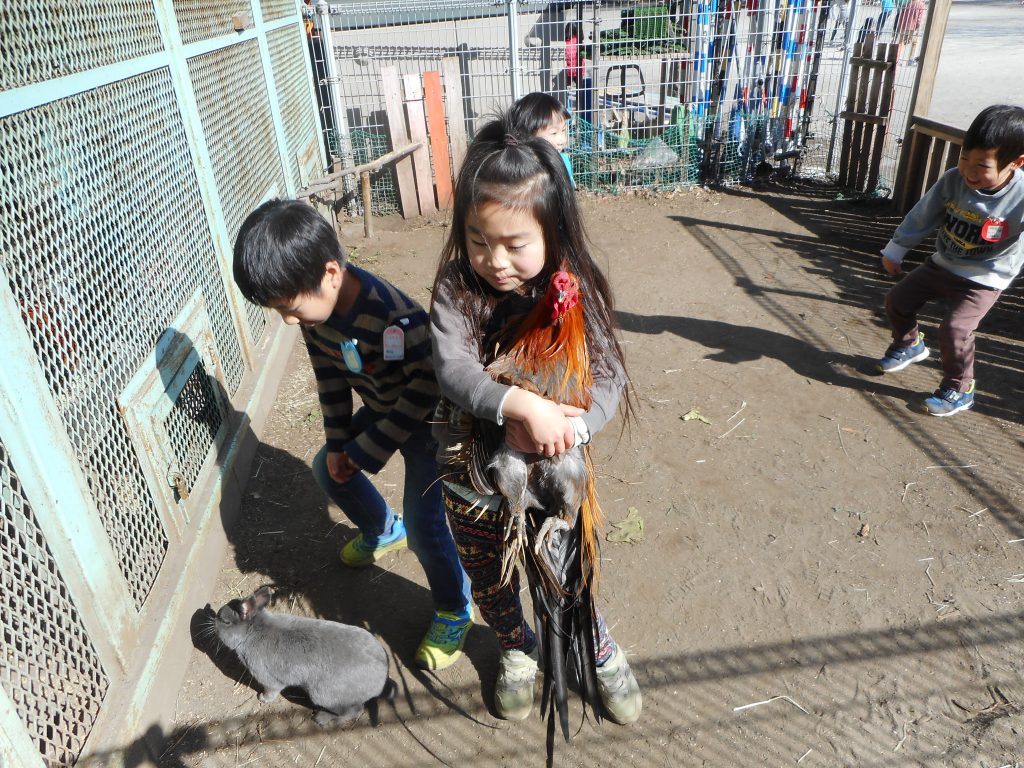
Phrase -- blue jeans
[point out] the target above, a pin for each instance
(422, 511)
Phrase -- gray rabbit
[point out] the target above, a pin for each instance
(341, 667)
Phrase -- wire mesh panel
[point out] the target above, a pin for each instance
(287, 49)
(277, 9)
(119, 161)
(244, 152)
(204, 19)
(51, 38)
(470, 37)
(193, 423)
(661, 94)
(49, 668)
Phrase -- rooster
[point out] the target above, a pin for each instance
(552, 518)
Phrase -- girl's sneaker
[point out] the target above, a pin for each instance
(898, 358)
(357, 553)
(619, 690)
(442, 646)
(946, 401)
(513, 693)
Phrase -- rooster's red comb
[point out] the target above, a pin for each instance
(564, 294)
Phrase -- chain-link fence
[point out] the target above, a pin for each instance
(662, 94)
(136, 138)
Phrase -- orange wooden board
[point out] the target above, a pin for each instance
(434, 98)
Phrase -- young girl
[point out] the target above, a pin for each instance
(515, 223)
(542, 115)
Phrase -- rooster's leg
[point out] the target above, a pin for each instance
(549, 528)
(514, 540)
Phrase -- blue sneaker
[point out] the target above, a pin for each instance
(358, 553)
(946, 401)
(898, 358)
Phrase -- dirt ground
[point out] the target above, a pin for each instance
(828, 577)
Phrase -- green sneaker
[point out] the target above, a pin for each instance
(443, 643)
(358, 554)
(513, 693)
(619, 690)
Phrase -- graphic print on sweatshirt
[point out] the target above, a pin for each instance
(969, 234)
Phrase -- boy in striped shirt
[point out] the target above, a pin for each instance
(363, 335)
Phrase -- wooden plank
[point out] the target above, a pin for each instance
(891, 54)
(860, 105)
(434, 96)
(868, 130)
(869, 63)
(869, 95)
(953, 150)
(935, 164)
(939, 130)
(391, 90)
(452, 77)
(331, 180)
(872, 132)
(918, 161)
(418, 133)
(857, 117)
(846, 156)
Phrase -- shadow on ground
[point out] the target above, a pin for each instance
(839, 241)
(666, 719)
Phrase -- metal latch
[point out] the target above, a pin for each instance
(177, 481)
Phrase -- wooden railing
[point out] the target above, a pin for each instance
(929, 151)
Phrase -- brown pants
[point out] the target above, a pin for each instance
(966, 304)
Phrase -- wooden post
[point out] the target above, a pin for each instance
(364, 179)
(391, 89)
(418, 133)
(924, 86)
(662, 92)
(330, 181)
(890, 53)
(434, 99)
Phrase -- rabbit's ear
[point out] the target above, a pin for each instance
(247, 607)
(262, 597)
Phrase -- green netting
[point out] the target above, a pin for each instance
(367, 146)
(621, 162)
(642, 31)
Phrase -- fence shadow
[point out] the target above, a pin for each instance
(698, 692)
(835, 245)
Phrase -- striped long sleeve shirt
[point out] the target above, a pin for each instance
(402, 393)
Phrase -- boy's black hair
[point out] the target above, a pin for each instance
(999, 127)
(533, 112)
(282, 250)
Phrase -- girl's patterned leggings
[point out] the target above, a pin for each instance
(477, 532)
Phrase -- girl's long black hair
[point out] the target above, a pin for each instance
(521, 172)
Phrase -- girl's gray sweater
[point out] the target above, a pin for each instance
(463, 380)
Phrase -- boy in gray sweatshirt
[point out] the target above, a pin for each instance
(978, 210)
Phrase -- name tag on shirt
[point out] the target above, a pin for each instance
(394, 343)
(993, 230)
(349, 353)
